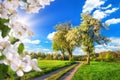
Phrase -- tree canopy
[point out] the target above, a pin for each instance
(59, 42)
(90, 30)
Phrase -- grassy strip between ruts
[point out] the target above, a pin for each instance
(61, 73)
(98, 71)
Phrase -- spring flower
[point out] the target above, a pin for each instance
(9, 10)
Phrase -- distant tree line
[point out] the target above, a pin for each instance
(107, 56)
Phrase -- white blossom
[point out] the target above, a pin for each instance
(9, 10)
(34, 65)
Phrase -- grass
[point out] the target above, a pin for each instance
(61, 73)
(46, 66)
(99, 71)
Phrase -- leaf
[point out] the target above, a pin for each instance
(21, 48)
(4, 20)
(2, 57)
(5, 31)
(25, 0)
(13, 40)
(3, 71)
(3, 28)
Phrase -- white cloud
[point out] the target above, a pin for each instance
(98, 14)
(101, 48)
(113, 45)
(113, 21)
(78, 51)
(26, 47)
(115, 41)
(50, 36)
(46, 50)
(111, 11)
(92, 4)
(31, 41)
(110, 5)
(35, 50)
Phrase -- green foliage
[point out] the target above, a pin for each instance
(72, 59)
(3, 28)
(107, 56)
(59, 42)
(2, 57)
(90, 30)
(49, 57)
(21, 48)
(79, 57)
(94, 57)
(102, 56)
(11, 74)
(110, 56)
(98, 71)
(63, 27)
(52, 56)
(73, 37)
(5, 31)
(3, 71)
(13, 40)
(3, 68)
(25, 0)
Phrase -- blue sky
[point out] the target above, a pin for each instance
(60, 11)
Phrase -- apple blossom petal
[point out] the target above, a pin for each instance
(36, 68)
(20, 73)
(27, 68)
(14, 67)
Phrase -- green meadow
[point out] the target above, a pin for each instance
(98, 71)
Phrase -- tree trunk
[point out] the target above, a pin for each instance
(88, 58)
(63, 54)
(70, 54)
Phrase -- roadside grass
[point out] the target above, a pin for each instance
(98, 71)
(61, 73)
(46, 66)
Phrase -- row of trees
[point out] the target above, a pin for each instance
(68, 37)
(50, 56)
(109, 56)
(102, 56)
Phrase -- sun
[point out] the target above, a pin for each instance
(26, 19)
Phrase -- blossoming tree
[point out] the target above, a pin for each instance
(12, 32)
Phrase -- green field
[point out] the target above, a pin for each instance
(46, 66)
(99, 71)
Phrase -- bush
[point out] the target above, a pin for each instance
(94, 57)
(72, 59)
(107, 56)
(110, 56)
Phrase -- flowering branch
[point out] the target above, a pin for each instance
(12, 32)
